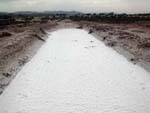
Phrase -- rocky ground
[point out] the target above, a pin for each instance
(20, 42)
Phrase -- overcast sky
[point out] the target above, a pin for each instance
(119, 6)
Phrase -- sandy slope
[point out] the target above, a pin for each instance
(75, 73)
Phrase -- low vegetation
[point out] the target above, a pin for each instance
(4, 34)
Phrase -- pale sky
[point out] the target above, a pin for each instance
(118, 6)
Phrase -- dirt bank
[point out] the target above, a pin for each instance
(130, 40)
(18, 44)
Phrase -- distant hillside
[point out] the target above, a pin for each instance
(24, 12)
(48, 12)
(3, 13)
(63, 12)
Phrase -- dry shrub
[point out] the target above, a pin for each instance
(145, 45)
(4, 34)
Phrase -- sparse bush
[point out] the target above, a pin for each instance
(80, 27)
(111, 44)
(4, 34)
(145, 45)
(42, 30)
(90, 31)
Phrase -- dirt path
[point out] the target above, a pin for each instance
(76, 73)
